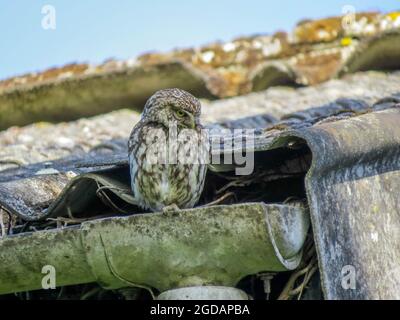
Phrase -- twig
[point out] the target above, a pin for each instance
(115, 273)
(219, 200)
(16, 162)
(106, 199)
(307, 268)
(91, 293)
(76, 220)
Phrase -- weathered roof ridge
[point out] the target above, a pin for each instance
(314, 52)
(218, 54)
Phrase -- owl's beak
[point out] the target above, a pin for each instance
(191, 124)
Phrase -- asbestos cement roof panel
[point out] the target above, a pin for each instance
(314, 52)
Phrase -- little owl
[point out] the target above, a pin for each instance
(168, 151)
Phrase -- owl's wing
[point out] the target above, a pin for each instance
(146, 147)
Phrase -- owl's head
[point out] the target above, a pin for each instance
(173, 105)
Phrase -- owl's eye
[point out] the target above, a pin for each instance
(180, 113)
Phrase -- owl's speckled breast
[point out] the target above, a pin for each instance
(168, 151)
(157, 185)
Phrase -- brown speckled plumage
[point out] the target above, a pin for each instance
(157, 184)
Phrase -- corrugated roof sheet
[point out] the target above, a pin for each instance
(44, 142)
(37, 154)
(314, 52)
(350, 188)
(340, 137)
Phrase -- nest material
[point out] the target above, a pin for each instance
(282, 184)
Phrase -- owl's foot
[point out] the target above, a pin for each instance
(170, 209)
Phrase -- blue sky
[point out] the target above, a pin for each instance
(94, 30)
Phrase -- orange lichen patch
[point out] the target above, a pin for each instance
(152, 58)
(330, 29)
(364, 25)
(229, 65)
(66, 71)
(231, 62)
(390, 21)
(323, 30)
(393, 15)
(113, 65)
(315, 68)
(236, 81)
(73, 69)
